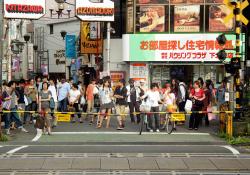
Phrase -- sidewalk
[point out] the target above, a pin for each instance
(127, 164)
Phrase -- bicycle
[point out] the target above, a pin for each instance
(170, 122)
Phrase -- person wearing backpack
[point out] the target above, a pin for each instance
(182, 96)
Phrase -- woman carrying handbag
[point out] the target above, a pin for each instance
(197, 95)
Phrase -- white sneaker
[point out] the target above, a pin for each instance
(151, 130)
(24, 130)
(157, 130)
(7, 131)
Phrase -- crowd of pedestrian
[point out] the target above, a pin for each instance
(100, 99)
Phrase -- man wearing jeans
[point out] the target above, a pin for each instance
(63, 92)
(154, 98)
(10, 95)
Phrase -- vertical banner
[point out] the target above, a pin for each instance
(70, 46)
(89, 45)
(187, 18)
(30, 57)
(152, 19)
(217, 13)
(15, 63)
(130, 16)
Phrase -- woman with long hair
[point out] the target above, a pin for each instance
(44, 105)
(106, 94)
(198, 95)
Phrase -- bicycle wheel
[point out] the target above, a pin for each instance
(170, 125)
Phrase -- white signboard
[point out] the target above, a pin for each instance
(24, 9)
(95, 10)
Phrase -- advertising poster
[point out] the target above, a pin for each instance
(216, 15)
(139, 71)
(178, 1)
(152, 1)
(214, 1)
(187, 18)
(152, 19)
(87, 44)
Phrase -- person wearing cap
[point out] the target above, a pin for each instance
(133, 94)
(120, 94)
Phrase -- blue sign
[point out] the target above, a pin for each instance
(70, 46)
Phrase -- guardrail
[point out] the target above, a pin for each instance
(177, 116)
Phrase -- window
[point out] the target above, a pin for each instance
(51, 29)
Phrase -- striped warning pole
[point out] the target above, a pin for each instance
(237, 12)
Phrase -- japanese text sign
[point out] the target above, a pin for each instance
(24, 9)
(175, 47)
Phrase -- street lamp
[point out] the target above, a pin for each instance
(59, 11)
(63, 34)
(16, 46)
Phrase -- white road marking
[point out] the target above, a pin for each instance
(38, 135)
(1, 146)
(17, 149)
(233, 150)
(129, 133)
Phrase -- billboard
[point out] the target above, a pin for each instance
(175, 47)
(152, 19)
(89, 45)
(20, 9)
(187, 18)
(217, 13)
(95, 10)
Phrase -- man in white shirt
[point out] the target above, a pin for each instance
(153, 98)
(63, 92)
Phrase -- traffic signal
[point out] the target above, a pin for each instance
(234, 64)
(221, 40)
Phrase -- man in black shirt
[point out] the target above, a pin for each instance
(120, 94)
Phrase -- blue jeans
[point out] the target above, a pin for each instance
(12, 117)
(62, 105)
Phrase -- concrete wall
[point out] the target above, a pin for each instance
(116, 63)
(54, 43)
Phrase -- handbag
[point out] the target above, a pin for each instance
(82, 100)
(27, 100)
(145, 108)
(211, 116)
(198, 103)
(6, 104)
(188, 105)
(52, 104)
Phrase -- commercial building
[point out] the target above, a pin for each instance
(177, 39)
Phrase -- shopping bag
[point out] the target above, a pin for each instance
(188, 105)
(145, 108)
(210, 109)
(6, 104)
